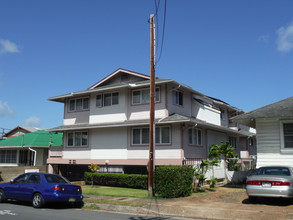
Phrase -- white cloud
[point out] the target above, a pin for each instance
(7, 46)
(5, 110)
(32, 121)
(285, 38)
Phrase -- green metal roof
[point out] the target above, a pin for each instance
(34, 139)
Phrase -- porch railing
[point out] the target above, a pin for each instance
(192, 161)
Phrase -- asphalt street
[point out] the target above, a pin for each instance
(16, 211)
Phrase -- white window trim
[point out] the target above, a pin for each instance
(73, 146)
(140, 96)
(283, 149)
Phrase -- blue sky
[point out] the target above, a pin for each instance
(235, 50)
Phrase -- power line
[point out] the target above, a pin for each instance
(163, 32)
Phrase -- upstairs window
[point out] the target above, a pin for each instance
(142, 96)
(141, 136)
(77, 139)
(79, 104)
(107, 99)
(195, 136)
(178, 98)
(223, 115)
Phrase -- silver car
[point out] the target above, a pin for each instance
(273, 181)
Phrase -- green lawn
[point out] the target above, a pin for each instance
(114, 191)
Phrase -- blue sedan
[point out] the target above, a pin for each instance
(41, 188)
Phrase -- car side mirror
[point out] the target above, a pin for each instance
(12, 181)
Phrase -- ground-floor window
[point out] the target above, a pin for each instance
(8, 156)
(233, 141)
(288, 135)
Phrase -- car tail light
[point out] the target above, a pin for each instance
(79, 190)
(273, 183)
(58, 188)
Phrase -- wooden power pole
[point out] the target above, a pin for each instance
(152, 110)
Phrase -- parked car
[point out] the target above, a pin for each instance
(41, 188)
(273, 181)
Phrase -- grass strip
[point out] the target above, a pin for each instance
(114, 191)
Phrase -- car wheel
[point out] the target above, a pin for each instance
(38, 200)
(2, 196)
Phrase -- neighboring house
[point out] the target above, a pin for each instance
(108, 124)
(29, 149)
(274, 132)
(19, 131)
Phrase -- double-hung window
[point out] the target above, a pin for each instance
(79, 104)
(178, 98)
(107, 99)
(195, 136)
(287, 134)
(77, 139)
(141, 136)
(142, 96)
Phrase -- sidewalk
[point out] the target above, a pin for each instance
(222, 204)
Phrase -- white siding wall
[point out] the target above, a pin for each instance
(206, 113)
(269, 144)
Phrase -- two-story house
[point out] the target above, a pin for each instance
(108, 124)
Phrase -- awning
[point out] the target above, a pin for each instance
(40, 138)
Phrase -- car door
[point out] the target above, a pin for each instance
(32, 185)
(14, 189)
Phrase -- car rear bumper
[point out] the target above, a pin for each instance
(63, 198)
(274, 191)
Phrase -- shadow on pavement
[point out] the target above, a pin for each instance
(49, 205)
(269, 201)
(148, 218)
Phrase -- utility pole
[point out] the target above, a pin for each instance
(152, 110)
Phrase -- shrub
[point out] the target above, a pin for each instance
(136, 181)
(173, 181)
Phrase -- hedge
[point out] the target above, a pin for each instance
(119, 180)
(173, 181)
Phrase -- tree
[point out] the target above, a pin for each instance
(93, 168)
(225, 150)
(202, 169)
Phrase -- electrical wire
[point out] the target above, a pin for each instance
(163, 32)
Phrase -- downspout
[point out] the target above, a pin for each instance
(35, 155)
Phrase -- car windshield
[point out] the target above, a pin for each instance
(55, 179)
(275, 171)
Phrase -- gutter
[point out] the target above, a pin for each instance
(35, 155)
